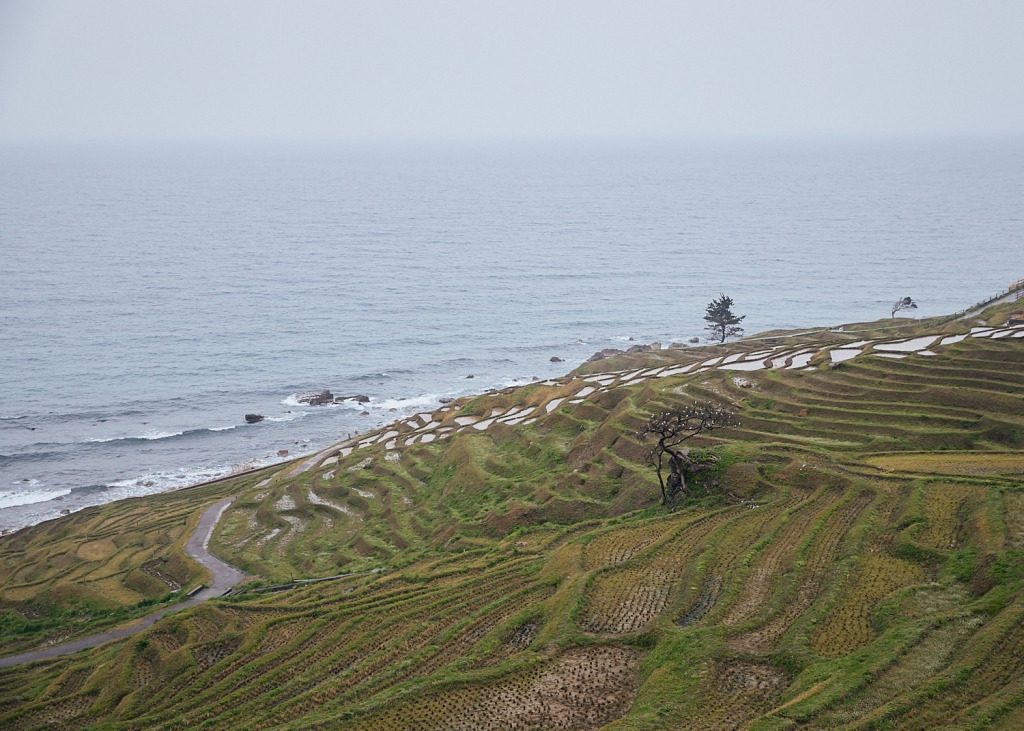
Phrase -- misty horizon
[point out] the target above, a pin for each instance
(458, 73)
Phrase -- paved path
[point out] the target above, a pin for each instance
(1011, 296)
(223, 577)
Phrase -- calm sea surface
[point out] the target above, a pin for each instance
(150, 298)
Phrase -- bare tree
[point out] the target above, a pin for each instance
(903, 304)
(672, 428)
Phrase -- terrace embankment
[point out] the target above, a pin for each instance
(855, 560)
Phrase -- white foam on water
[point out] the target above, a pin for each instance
(150, 436)
(290, 416)
(405, 404)
(32, 492)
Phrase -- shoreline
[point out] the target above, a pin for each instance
(297, 464)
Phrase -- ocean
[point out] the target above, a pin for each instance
(152, 296)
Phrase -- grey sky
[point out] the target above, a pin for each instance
(477, 70)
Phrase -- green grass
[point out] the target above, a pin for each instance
(854, 559)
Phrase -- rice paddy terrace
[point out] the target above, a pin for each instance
(854, 562)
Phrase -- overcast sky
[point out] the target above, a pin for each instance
(483, 69)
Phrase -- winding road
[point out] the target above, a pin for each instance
(222, 577)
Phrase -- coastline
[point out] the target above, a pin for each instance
(293, 465)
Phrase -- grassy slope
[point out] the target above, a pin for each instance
(866, 573)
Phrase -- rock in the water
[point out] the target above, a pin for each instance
(556, 359)
(694, 339)
(317, 398)
(358, 398)
(254, 418)
(470, 376)
(602, 354)
(282, 453)
(445, 400)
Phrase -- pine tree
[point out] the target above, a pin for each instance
(722, 323)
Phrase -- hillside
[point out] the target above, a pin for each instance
(854, 562)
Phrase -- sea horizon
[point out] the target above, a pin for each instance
(396, 276)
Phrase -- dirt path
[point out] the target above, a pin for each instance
(222, 578)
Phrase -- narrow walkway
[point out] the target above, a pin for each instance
(222, 578)
(1011, 296)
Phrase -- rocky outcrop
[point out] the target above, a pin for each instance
(317, 398)
(358, 398)
(640, 348)
(254, 418)
(606, 353)
(556, 359)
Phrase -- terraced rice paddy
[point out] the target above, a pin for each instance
(854, 562)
